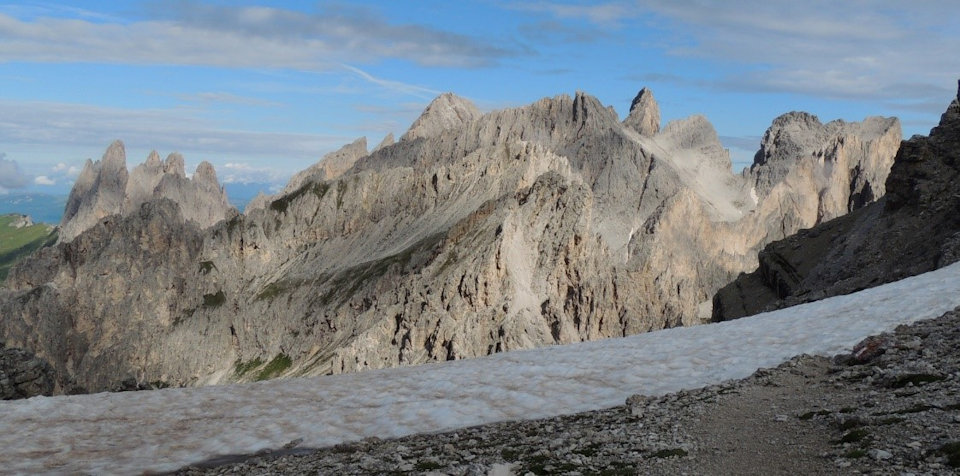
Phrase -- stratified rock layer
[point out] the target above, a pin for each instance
(550, 223)
(915, 228)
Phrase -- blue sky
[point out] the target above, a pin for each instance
(263, 90)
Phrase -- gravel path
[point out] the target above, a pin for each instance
(893, 407)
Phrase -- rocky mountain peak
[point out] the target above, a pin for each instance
(206, 174)
(153, 160)
(115, 158)
(387, 141)
(336, 163)
(329, 167)
(799, 141)
(788, 136)
(105, 188)
(697, 133)
(97, 193)
(950, 119)
(644, 114)
(447, 111)
(174, 165)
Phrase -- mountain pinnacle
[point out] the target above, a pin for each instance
(644, 114)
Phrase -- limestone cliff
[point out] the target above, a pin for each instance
(474, 233)
(644, 117)
(105, 188)
(913, 229)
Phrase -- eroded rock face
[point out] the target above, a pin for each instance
(644, 114)
(913, 229)
(447, 111)
(23, 375)
(98, 192)
(331, 166)
(798, 148)
(105, 188)
(550, 223)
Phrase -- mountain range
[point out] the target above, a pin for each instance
(472, 234)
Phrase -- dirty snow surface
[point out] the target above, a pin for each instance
(167, 429)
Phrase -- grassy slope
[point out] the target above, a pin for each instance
(16, 243)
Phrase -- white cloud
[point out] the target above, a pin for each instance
(11, 176)
(238, 172)
(257, 37)
(43, 180)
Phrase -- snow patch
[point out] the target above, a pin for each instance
(166, 429)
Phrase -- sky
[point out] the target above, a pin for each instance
(263, 90)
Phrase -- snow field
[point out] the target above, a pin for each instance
(167, 429)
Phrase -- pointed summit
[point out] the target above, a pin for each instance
(644, 114)
(386, 142)
(115, 157)
(331, 165)
(153, 160)
(97, 193)
(205, 174)
(174, 165)
(447, 111)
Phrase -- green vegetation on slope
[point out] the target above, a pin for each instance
(17, 243)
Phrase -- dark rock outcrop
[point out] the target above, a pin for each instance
(23, 375)
(915, 228)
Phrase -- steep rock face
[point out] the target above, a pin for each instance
(97, 306)
(827, 156)
(644, 117)
(98, 192)
(915, 228)
(105, 188)
(549, 223)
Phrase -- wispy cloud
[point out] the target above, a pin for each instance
(395, 86)
(552, 31)
(607, 14)
(164, 129)
(192, 33)
(846, 50)
(225, 98)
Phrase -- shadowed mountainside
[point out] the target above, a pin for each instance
(915, 228)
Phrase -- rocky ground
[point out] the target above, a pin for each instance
(890, 407)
